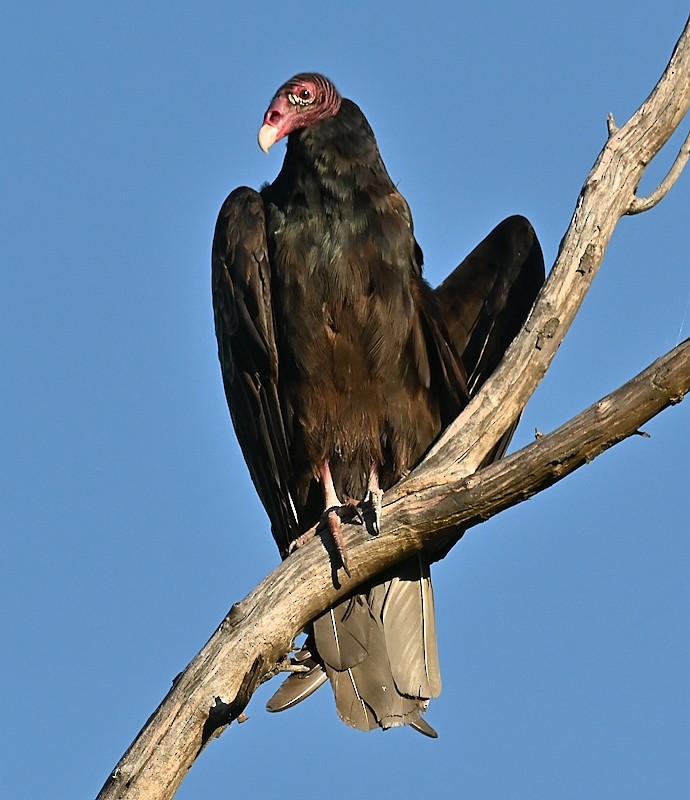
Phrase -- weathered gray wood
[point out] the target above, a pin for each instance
(607, 195)
(257, 632)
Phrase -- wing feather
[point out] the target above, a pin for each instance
(245, 330)
(486, 299)
(343, 633)
(409, 626)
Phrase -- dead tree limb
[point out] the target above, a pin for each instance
(608, 194)
(257, 632)
(443, 492)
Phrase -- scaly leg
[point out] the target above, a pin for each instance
(372, 502)
(333, 516)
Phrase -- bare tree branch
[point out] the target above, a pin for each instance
(257, 632)
(607, 195)
(443, 492)
(640, 204)
(471, 500)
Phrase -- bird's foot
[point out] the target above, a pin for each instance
(300, 541)
(335, 526)
(332, 520)
(371, 510)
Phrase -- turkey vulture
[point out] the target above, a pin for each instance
(341, 366)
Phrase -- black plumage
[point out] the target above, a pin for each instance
(341, 366)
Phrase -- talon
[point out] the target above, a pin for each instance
(300, 541)
(373, 503)
(335, 526)
(354, 507)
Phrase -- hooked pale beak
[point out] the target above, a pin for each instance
(268, 135)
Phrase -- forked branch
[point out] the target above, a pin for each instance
(640, 204)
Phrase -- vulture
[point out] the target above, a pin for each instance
(341, 366)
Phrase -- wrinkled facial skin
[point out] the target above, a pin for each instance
(299, 103)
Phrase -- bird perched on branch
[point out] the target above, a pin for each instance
(341, 366)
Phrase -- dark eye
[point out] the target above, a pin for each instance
(303, 97)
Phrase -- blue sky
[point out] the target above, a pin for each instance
(129, 521)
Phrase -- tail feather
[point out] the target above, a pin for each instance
(409, 624)
(399, 672)
(379, 651)
(298, 686)
(366, 695)
(342, 634)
